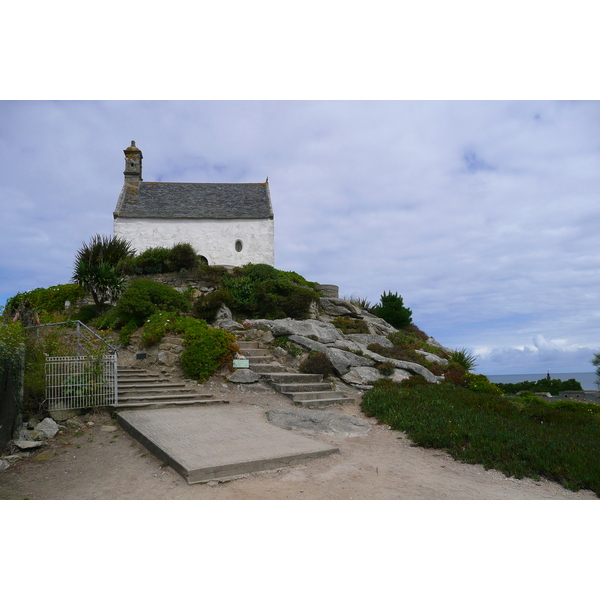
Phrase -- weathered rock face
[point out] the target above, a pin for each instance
(343, 361)
(365, 339)
(324, 332)
(325, 422)
(432, 357)
(336, 307)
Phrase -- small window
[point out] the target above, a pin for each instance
(238, 246)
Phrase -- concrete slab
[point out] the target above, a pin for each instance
(203, 443)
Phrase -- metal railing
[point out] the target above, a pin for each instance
(88, 377)
(74, 382)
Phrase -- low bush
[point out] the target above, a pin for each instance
(317, 363)
(521, 437)
(348, 326)
(45, 301)
(206, 349)
(386, 368)
(261, 291)
(181, 257)
(206, 307)
(289, 346)
(144, 297)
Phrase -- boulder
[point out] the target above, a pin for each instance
(432, 357)
(315, 422)
(223, 313)
(27, 444)
(228, 324)
(324, 332)
(361, 376)
(48, 428)
(412, 368)
(308, 343)
(343, 361)
(243, 376)
(336, 307)
(377, 325)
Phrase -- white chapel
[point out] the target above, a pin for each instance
(226, 223)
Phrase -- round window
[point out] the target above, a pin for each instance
(238, 246)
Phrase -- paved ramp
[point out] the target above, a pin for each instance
(203, 443)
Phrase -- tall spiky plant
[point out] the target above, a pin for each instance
(97, 267)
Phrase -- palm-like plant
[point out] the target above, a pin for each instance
(97, 267)
(464, 358)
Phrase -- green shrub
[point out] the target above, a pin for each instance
(480, 383)
(317, 363)
(392, 310)
(45, 301)
(127, 331)
(348, 326)
(206, 349)
(89, 312)
(261, 291)
(144, 297)
(157, 326)
(289, 346)
(386, 368)
(183, 257)
(206, 307)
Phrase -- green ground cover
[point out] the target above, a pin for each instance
(521, 437)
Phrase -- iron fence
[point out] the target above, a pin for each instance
(81, 381)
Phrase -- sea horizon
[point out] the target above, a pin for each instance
(587, 380)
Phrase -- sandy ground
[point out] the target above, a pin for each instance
(101, 461)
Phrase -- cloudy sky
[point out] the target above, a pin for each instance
(483, 215)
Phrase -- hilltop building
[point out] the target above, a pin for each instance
(226, 223)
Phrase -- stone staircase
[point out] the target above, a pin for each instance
(139, 388)
(304, 389)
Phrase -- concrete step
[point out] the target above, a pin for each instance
(296, 378)
(287, 388)
(254, 352)
(167, 403)
(320, 402)
(295, 396)
(244, 344)
(167, 396)
(267, 369)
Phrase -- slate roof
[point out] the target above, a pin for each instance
(195, 201)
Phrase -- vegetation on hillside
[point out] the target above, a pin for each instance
(521, 437)
(259, 292)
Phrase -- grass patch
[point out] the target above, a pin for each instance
(521, 437)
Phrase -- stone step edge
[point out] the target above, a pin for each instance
(315, 402)
(151, 405)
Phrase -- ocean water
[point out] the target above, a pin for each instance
(587, 380)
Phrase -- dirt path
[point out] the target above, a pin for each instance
(101, 461)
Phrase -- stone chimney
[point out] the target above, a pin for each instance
(133, 164)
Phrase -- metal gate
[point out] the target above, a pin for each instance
(81, 381)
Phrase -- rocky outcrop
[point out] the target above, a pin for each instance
(346, 352)
(321, 422)
(336, 307)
